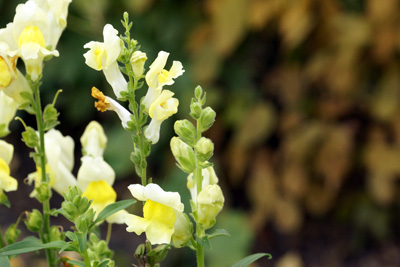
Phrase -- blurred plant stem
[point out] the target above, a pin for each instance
(41, 153)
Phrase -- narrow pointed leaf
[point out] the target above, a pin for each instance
(250, 259)
(4, 262)
(113, 208)
(29, 244)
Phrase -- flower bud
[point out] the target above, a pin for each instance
(186, 131)
(207, 119)
(11, 235)
(183, 154)
(138, 59)
(34, 220)
(183, 230)
(209, 203)
(195, 110)
(56, 234)
(83, 221)
(198, 91)
(43, 192)
(204, 149)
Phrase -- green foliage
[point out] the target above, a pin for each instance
(250, 259)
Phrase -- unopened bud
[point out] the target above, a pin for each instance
(207, 118)
(43, 192)
(34, 220)
(195, 110)
(204, 149)
(186, 131)
(138, 59)
(209, 203)
(183, 154)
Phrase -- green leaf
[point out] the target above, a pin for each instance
(4, 262)
(81, 238)
(218, 232)
(29, 244)
(113, 208)
(250, 259)
(204, 241)
(104, 263)
(4, 200)
(77, 263)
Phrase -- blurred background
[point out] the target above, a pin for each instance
(307, 133)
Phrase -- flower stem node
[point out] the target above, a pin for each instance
(34, 220)
(204, 149)
(183, 154)
(209, 203)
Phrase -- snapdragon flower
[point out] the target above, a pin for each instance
(161, 109)
(8, 108)
(103, 56)
(209, 178)
(60, 161)
(157, 77)
(96, 176)
(7, 183)
(160, 213)
(30, 37)
(107, 103)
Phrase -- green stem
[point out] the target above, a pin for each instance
(199, 181)
(1, 240)
(44, 179)
(86, 258)
(109, 230)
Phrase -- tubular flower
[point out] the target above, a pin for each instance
(60, 161)
(157, 77)
(95, 176)
(161, 109)
(29, 36)
(8, 107)
(94, 139)
(209, 203)
(7, 183)
(209, 178)
(107, 103)
(160, 213)
(103, 56)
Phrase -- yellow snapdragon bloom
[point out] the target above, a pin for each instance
(7, 183)
(60, 161)
(160, 213)
(157, 77)
(96, 176)
(103, 56)
(161, 109)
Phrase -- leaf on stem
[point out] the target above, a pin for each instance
(250, 259)
(113, 208)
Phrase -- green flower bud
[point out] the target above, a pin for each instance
(183, 154)
(56, 233)
(195, 110)
(183, 230)
(11, 235)
(207, 119)
(186, 131)
(204, 149)
(198, 91)
(137, 60)
(43, 192)
(140, 251)
(209, 203)
(34, 220)
(83, 221)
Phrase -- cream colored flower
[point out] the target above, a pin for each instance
(7, 183)
(157, 77)
(94, 139)
(160, 212)
(96, 176)
(8, 108)
(107, 103)
(137, 60)
(60, 161)
(29, 37)
(209, 178)
(161, 109)
(103, 56)
(209, 203)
